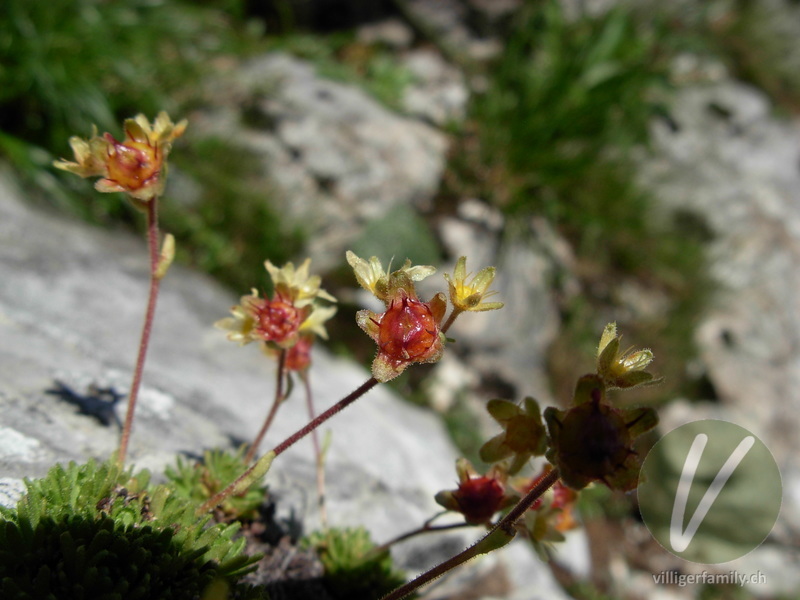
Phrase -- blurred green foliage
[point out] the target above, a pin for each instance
(340, 56)
(561, 96)
(69, 64)
(464, 427)
(716, 591)
(585, 590)
(759, 41)
(399, 234)
(552, 135)
(230, 227)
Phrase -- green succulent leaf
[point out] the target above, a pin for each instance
(103, 530)
(640, 420)
(502, 410)
(354, 567)
(495, 450)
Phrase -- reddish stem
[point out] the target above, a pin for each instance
(451, 319)
(332, 411)
(426, 528)
(318, 458)
(506, 524)
(152, 242)
(219, 498)
(276, 402)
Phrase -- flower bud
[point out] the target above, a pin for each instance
(593, 441)
(478, 497)
(136, 166)
(407, 332)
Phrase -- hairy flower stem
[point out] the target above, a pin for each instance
(152, 243)
(220, 497)
(451, 319)
(498, 536)
(280, 396)
(255, 472)
(318, 457)
(427, 527)
(332, 411)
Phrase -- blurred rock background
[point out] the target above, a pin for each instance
(616, 160)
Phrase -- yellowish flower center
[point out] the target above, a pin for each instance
(132, 165)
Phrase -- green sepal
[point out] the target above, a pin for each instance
(635, 379)
(587, 388)
(607, 357)
(640, 420)
(494, 450)
(519, 461)
(502, 410)
(494, 540)
(446, 500)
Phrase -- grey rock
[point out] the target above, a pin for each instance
(335, 156)
(495, 10)
(734, 165)
(70, 308)
(447, 21)
(438, 93)
(393, 33)
(509, 344)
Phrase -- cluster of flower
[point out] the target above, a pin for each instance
(136, 166)
(289, 320)
(591, 440)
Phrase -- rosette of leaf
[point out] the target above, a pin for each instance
(136, 166)
(594, 441)
(293, 311)
(523, 434)
(97, 531)
(353, 567)
(198, 482)
(620, 369)
(477, 497)
(409, 330)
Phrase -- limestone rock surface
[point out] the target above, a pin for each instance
(71, 303)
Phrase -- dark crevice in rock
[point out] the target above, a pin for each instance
(718, 110)
(494, 386)
(705, 390)
(728, 338)
(254, 116)
(693, 224)
(323, 16)
(287, 570)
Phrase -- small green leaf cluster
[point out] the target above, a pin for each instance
(523, 435)
(354, 568)
(98, 531)
(200, 481)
